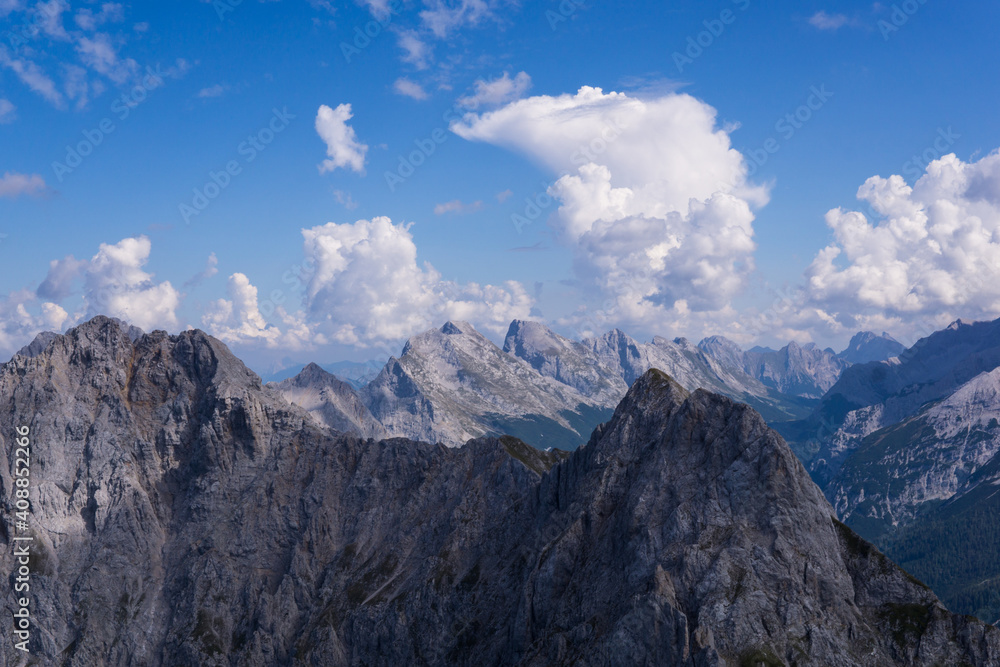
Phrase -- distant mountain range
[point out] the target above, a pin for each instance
(185, 514)
(907, 451)
(453, 384)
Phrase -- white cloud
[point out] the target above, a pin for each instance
(13, 185)
(111, 12)
(404, 86)
(78, 87)
(100, 54)
(238, 319)
(442, 17)
(654, 201)
(211, 269)
(58, 284)
(379, 8)
(931, 253)
(116, 285)
(32, 76)
(415, 51)
(218, 90)
(824, 21)
(344, 199)
(457, 206)
(7, 6)
(22, 318)
(8, 112)
(50, 15)
(342, 146)
(366, 289)
(499, 91)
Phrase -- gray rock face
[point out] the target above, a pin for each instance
(183, 514)
(35, 347)
(570, 362)
(877, 395)
(866, 346)
(604, 367)
(804, 371)
(331, 401)
(453, 384)
(945, 451)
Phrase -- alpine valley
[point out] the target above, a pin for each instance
(544, 502)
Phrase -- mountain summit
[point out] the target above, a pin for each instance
(185, 514)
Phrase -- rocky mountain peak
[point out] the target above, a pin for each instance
(452, 328)
(187, 515)
(867, 346)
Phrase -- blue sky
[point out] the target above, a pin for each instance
(668, 226)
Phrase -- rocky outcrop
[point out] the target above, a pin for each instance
(867, 346)
(185, 514)
(331, 401)
(804, 371)
(453, 384)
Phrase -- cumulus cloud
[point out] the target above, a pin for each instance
(653, 199)
(342, 146)
(368, 287)
(116, 285)
(111, 283)
(58, 284)
(22, 317)
(408, 88)
(498, 91)
(238, 318)
(13, 185)
(363, 287)
(929, 253)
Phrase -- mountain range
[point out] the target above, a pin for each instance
(453, 384)
(907, 451)
(185, 513)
